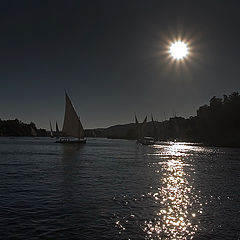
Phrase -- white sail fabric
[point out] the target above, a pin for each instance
(33, 132)
(72, 126)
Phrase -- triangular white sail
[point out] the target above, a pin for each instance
(145, 120)
(33, 132)
(72, 126)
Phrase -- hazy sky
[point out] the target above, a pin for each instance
(110, 57)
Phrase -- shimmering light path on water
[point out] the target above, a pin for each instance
(116, 189)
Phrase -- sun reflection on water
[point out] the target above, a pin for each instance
(176, 218)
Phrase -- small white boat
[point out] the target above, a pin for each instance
(72, 130)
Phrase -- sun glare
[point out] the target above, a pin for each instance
(178, 50)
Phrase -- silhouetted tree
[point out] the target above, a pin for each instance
(18, 128)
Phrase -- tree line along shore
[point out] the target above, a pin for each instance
(216, 124)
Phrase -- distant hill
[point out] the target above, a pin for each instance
(174, 128)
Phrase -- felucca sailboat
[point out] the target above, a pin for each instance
(140, 133)
(33, 132)
(51, 130)
(72, 130)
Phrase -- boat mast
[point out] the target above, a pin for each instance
(78, 128)
(51, 131)
(57, 131)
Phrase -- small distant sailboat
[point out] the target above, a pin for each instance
(72, 130)
(155, 130)
(51, 130)
(140, 133)
(57, 131)
(33, 132)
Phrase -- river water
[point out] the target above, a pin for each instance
(116, 189)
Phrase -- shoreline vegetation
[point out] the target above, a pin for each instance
(216, 124)
(17, 128)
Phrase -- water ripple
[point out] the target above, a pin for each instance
(115, 189)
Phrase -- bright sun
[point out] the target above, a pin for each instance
(178, 50)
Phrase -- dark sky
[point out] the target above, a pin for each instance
(110, 57)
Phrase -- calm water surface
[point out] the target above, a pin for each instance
(116, 189)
